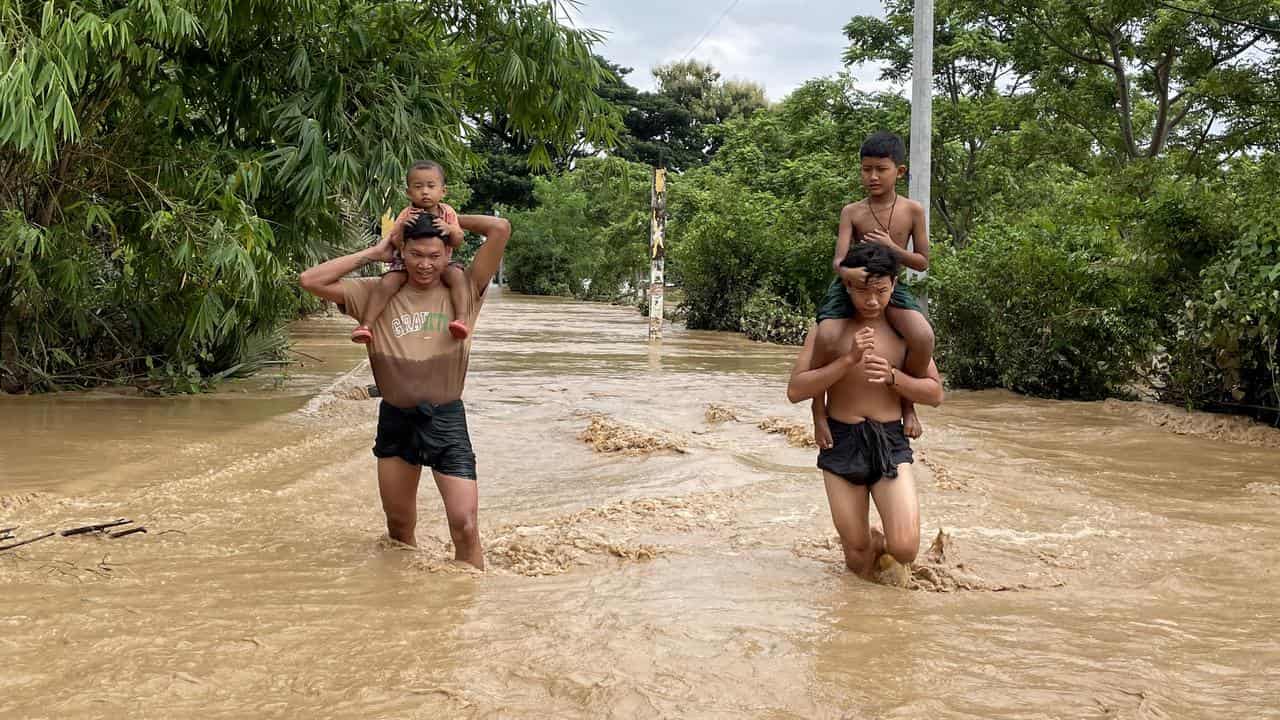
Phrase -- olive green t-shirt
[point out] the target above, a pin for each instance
(414, 358)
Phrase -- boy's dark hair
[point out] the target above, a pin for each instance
(877, 260)
(426, 165)
(884, 145)
(423, 227)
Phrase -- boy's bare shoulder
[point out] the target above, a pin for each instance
(912, 205)
(852, 208)
(830, 331)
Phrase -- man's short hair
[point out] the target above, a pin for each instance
(877, 260)
(426, 165)
(884, 145)
(423, 226)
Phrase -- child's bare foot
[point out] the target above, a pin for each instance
(458, 330)
(362, 335)
(911, 425)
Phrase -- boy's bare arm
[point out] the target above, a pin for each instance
(821, 428)
(797, 389)
(844, 238)
(927, 390)
(819, 407)
(809, 379)
(916, 259)
(919, 235)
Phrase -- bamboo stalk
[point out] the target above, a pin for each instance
(94, 528)
(27, 542)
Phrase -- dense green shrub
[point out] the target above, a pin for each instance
(1057, 314)
(729, 245)
(768, 318)
(1224, 352)
(588, 236)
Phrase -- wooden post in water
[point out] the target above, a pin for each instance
(657, 252)
(921, 168)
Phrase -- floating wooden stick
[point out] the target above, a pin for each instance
(6, 531)
(26, 542)
(94, 528)
(123, 533)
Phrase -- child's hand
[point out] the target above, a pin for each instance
(396, 234)
(822, 433)
(452, 232)
(407, 215)
(879, 237)
(856, 276)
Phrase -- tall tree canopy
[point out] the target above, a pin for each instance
(1095, 84)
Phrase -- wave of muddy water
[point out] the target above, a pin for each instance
(1137, 566)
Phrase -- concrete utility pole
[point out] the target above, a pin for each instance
(497, 279)
(921, 167)
(657, 252)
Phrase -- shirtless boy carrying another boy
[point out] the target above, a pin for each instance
(850, 366)
(885, 219)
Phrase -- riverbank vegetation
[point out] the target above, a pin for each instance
(1102, 214)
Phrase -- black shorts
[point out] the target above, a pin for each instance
(433, 436)
(864, 453)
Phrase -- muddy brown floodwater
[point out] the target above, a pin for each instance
(1094, 565)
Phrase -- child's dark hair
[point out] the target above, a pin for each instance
(423, 227)
(877, 260)
(426, 165)
(884, 145)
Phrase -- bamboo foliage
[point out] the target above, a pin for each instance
(167, 165)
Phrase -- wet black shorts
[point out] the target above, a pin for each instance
(864, 453)
(433, 436)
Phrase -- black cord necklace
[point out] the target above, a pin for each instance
(892, 207)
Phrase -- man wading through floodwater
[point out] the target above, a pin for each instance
(420, 370)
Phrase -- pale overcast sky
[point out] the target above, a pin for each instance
(777, 43)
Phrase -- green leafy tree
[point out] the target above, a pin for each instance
(588, 236)
(697, 86)
(166, 165)
(762, 216)
(1024, 88)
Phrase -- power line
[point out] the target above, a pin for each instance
(711, 29)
